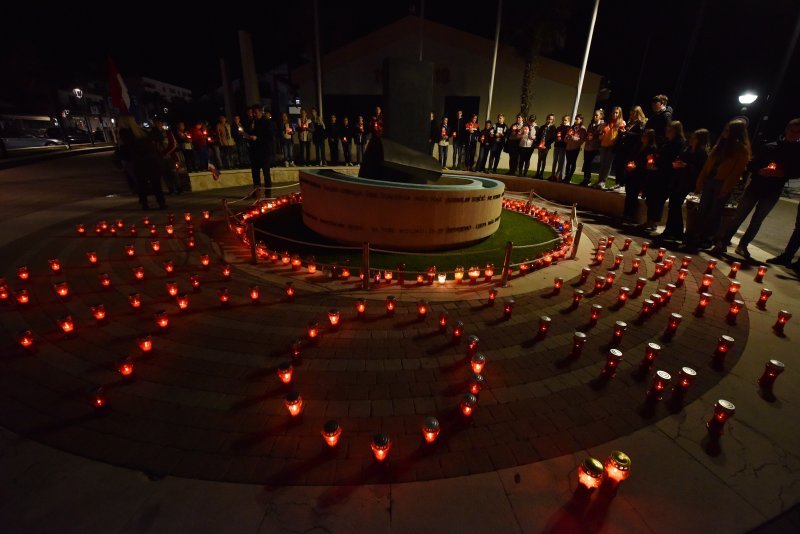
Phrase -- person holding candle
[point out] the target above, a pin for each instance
(237, 131)
(544, 140)
(639, 174)
(772, 166)
(443, 142)
(661, 118)
(471, 136)
(333, 140)
(686, 167)
(184, 140)
(145, 159)
(227, 144)
(609, 135)
(360, 138)
(657, 184)
(527, 139)
(346, 133)
(720, 174)
(560, 144)
(433, 132)
(457, 133)
(200, 145)
(304, 137)
(575, 138)
(317, 127)
(287, 146)
(486, 141)
(261, 136)
(512, 146)
(628, 144)
(499, 134)
(592, 146)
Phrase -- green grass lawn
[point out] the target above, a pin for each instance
(515, 227)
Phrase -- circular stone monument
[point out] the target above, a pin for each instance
(451, 212)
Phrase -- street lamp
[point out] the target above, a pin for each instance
(78, 92)
(747, 98)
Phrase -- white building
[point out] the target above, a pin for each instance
(165, 90)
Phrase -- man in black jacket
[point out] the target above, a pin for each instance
(261, 133)
(433, 133)
(662, 116)
(333, 140)
(457, 129)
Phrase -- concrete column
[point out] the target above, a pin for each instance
(249, 76)
(226, 90)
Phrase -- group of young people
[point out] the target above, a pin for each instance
(653, 158)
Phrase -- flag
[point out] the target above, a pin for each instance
(119, 93)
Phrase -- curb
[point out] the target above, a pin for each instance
(25, 160)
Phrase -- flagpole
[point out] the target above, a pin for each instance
(494, 58)
(585, 59)
(318, 58)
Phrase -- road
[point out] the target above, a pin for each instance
(40, 186)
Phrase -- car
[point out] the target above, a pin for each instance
(18, 139)
(72, 136)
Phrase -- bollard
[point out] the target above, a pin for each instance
(506, 264)
(577, 241)
(365, 266)
(251, 235)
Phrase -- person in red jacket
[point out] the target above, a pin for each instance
(200, 144)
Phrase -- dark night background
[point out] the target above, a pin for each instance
(740, 46)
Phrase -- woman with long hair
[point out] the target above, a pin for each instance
(721, 172)
(609, 136)
(628, 144)
(686, 168)
(657, 187)
(304, 137)
(639, 168)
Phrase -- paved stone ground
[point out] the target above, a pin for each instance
(207, 404)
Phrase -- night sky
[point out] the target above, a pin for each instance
(740, 46)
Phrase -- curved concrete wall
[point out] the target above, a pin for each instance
(453, 212)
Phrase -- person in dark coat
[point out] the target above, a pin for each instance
(333, 139)
(346, 136)
(472, 132)
(486, 140)
(261, 134)
(686, 168)
(657, 187)
(146, 160)
(544, 140)
(499, 136)
(639, 169)
(628, 144)
(457, 129)
(773, 165)
(318, 136)
(662, 116)
(360, 138)
(433, 132)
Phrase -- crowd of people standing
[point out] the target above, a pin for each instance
(653, 158)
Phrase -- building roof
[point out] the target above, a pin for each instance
(434, 32)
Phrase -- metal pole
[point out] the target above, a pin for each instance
(421, 25)
(318, 58)
(365, 266)
(251, 235)
(577, 241)
(494, 58)
(506, 264)
(585, 59)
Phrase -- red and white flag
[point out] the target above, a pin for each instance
(119, 92)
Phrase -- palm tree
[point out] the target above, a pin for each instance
(544, 30)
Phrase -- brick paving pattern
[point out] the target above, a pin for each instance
(207, 403)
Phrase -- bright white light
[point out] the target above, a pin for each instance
(747, 98)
